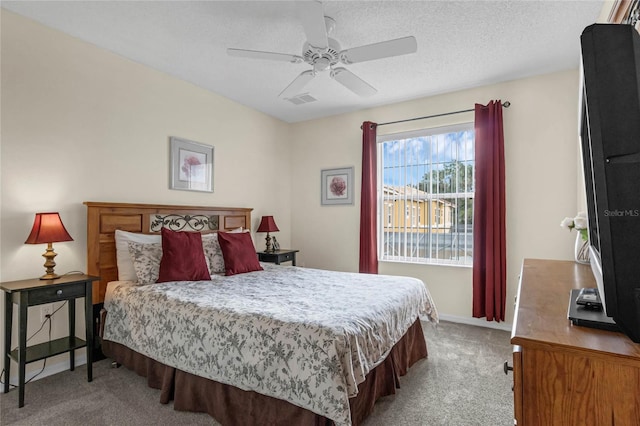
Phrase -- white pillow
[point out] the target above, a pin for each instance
(126, 271)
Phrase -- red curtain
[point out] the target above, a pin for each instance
(369, 198)
(489, 250)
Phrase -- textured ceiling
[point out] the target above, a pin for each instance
(461, 44)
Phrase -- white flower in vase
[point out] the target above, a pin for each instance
(581, 224)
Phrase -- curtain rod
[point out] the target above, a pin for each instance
(507, 104)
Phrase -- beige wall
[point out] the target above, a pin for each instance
(82, 124)
(540, 130)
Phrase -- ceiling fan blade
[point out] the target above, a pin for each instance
(296, 85)
(353, 82)
(384, 49)
(312, 17)
(257, 54)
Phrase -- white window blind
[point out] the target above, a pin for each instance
(426, 190)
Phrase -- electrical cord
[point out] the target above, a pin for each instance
(44, 365)
(47, 319)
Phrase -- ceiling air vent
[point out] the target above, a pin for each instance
(305, 98)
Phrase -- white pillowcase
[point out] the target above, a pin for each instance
(126, 271)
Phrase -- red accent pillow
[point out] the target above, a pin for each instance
(182, 257)
(238, 252)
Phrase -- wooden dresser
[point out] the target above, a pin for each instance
(566, 374)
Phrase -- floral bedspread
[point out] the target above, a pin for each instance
(304, 335)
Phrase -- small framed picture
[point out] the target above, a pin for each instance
(191, 165)
(337, 186)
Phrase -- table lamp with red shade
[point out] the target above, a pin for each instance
(48, 229)
(267, 224)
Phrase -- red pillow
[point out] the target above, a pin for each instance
(182, 257)
(238, 252)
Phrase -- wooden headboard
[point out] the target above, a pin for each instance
(104, 218)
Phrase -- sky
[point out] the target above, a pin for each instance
(405, 161)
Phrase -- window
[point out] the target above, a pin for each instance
(428, 175)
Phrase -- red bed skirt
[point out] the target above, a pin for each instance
(232, 406)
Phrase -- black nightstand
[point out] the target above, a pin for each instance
(278, 256)
(33, 292)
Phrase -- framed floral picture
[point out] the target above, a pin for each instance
(337, 186)
(191, 165)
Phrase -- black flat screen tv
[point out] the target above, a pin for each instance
(610, 139)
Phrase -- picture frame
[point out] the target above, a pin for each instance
(336, 186)
(191, 166)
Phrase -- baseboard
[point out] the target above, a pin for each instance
(477, 321)
(49, 370)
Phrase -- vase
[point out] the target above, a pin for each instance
(581, 253)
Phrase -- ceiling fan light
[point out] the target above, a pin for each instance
(321, 64)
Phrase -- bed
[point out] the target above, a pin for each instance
(270, 345)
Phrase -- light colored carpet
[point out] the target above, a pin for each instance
(461, 383)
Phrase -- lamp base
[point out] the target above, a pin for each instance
(268, 240)
(49, 276)
(49, 264)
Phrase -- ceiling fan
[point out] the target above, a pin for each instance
(324, 53)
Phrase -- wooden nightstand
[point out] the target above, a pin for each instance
(33, 292)
(278, 256)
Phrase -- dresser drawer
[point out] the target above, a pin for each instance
(278, 256)
(55, 293)
(286, 257)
